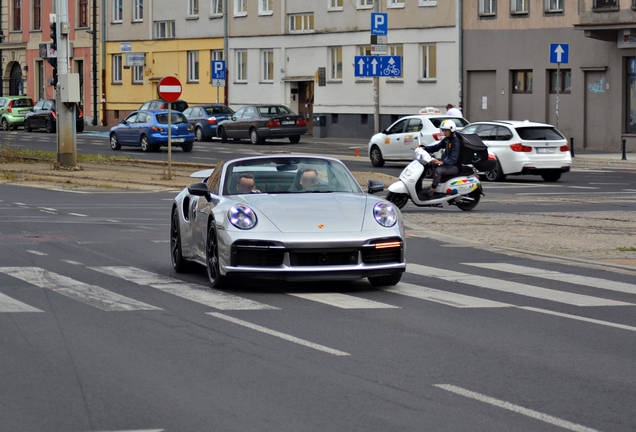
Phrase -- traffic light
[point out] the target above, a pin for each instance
(54, 36)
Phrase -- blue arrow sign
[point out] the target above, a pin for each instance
(387, 66)
(632, 66)
(218, 69)
(559, 53)
(379, 23)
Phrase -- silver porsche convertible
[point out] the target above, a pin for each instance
(294, 218)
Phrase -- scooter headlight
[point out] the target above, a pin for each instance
(242, 217)
(385, 214)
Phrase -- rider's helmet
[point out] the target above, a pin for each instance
(448, 125)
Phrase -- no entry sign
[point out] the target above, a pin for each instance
(169, 89)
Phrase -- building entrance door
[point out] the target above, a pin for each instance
(306, 103)
(15, 80)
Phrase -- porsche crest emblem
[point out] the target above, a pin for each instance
(321, 226)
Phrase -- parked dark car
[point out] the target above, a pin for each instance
(261, 122)
(158, 104)
(205, 119)
(148, 129)
(44, 115)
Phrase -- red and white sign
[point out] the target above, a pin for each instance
(169, 89)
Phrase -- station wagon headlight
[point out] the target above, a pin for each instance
(385, 214)
(242, 217)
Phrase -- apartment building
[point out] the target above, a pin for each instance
(26, 25)
(301, 53)
(147, 40)
(508, 73)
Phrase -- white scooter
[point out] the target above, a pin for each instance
(462, 189)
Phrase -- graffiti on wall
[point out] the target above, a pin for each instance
(597, 86)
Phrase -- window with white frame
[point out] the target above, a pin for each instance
(117, 11)
(193, 66)
(427, 3)
(193, 8)
(164, 30)
(395, 3)
(487, 7)
(335, 63)
(364, 50)
(554, 5)
(519, 6)
(241, 65)
(240, 7)
(138, 10)
(117, 69)
(335, 4)
(301, 23)
(364, 4)
(267, 64)
(137, 74)
(216, 7)
(216, 55)
(429, 62)
(397, 51)
(265, 7)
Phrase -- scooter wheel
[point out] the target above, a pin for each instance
(475, 195)
(399, 200)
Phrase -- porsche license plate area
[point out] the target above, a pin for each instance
(546, 150)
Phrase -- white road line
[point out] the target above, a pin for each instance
(49, 212)
(72, 262)
(78, 214)
(88, 294)
(279, 334)
(8, 304)
(583, 187)
(112, 220)
(49, 209)
(575, 193)
(443, 297)
(515, 408)
(20, 204)
(343, 301)
(558, 276)
(513, 287)
(36, 252)
(196, 293)
(579, 318)
(161, 241)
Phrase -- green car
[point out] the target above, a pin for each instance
(13, 109)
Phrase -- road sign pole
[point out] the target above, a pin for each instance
(558, 77)
(169, 141)
(376, 84)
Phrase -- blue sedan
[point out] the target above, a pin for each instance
(148, 129)
(205, 119)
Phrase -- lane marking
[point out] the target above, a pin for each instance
(278, 334)
(583, 187)
(443, 297)
(78, 214)
(578, 318)
(512, 287)
(49, 209)
(343, 301)
(34, 252)
(196, 293)
(49, 212)
(88, 294)
(72, 262)
(161, 241)
(8, 304)
(515, 408)
(559, 276)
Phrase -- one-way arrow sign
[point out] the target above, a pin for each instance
(559, 53)
(387, 66)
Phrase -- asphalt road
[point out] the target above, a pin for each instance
(98, 333)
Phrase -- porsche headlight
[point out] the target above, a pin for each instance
(242, 217)
(385, 214)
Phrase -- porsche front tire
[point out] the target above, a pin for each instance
(179, 263)
(212, 259)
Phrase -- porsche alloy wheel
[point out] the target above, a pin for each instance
(376, 157)
(387, 280)
(114, 142)
(212, 258)
(179, 264)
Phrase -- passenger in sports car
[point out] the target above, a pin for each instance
(246, 184)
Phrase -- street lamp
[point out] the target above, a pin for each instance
(93, 33)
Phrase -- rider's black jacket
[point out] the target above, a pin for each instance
(453, 150)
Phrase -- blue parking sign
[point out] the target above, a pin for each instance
(379, 23)
(218, 69)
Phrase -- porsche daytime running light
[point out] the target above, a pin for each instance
(242, 217)
(385, 214)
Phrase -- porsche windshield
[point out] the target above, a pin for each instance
(288, 175)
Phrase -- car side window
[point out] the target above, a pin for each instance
(469, 130)
(38, 105)
(188, 112)
(503, 134)
(487, 132)
(2, 102)
(249, 112)
(414, 125)
(239, 113)
(49, 105)
(131, 118)
(397, 127)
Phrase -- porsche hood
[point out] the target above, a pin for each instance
(311, 212)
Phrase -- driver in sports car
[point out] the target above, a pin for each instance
(246, 184)
(308, 178)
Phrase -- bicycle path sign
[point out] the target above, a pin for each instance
(380, 66)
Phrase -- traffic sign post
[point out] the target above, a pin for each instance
(559, 53)
(218, 75)
(169, 89)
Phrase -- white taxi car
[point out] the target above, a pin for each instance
(524, 147)
(396, 143)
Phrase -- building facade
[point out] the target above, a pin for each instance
(301, 53)
(146, 41)
(26, 25)
(508, 72)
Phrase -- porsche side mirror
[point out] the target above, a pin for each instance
(374, 186)
(199, 189)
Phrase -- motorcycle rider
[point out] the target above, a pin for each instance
(450, 162)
